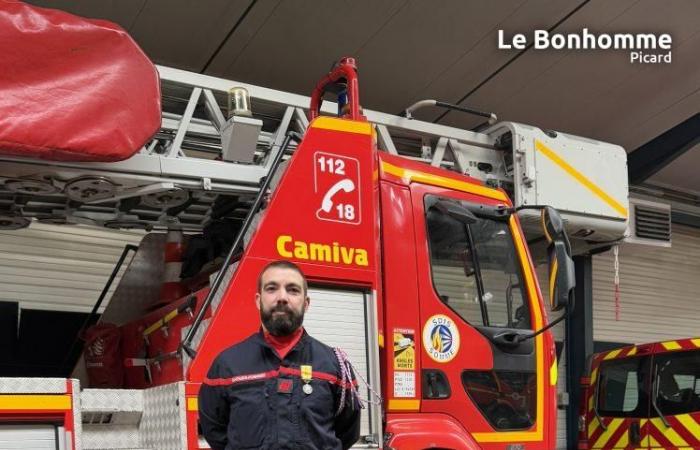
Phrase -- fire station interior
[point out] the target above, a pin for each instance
(643, 289)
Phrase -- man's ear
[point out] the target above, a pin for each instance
(307, 302)
(257, 300)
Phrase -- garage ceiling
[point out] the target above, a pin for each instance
(412, 50)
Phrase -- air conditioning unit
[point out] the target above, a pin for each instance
(649, 224)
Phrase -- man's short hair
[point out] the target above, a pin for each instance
(282, 264)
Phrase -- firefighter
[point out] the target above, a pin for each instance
(280, 388)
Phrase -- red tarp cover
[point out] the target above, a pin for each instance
(72, 89)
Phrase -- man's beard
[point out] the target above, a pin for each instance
(281, 324)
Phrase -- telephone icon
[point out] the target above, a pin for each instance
(345, 185)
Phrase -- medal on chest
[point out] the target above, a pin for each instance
(306, 375)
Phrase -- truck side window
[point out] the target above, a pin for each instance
(623, 387)
(508, 399)
(678, 380)
(475, 268)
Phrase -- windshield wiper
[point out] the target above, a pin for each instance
(654, 394)
(595, 409)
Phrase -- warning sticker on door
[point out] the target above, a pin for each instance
(404, 349)
(337, 188)
(404, 384)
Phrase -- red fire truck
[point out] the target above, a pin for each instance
(421, 272)
(642, 396)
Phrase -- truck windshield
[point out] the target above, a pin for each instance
(678, 382)
(475, 268)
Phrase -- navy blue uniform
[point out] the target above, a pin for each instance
(252, 399)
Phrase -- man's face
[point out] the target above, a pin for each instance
(282, 301)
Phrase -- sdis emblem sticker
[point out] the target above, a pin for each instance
(441, 338)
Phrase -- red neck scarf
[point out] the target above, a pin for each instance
(283, 344)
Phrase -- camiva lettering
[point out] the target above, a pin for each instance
(287, 247)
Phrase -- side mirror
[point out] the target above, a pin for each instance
(562, 278)
(456, 211)
(553, 225)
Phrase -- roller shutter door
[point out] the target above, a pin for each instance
(34, 437)
(659, 291)
(59, 267)
(337, 318)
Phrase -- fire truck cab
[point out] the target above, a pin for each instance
(642, 396)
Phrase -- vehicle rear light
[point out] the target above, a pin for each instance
(583, 445)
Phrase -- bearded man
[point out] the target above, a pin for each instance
(280, 388)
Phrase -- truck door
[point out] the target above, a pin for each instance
(474, 284)
(675, 412)
(621, 407)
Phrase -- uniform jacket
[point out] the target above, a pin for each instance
(252, 399)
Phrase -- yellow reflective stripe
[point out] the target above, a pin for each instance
(669, 433)
(671, 345)
(592, 426)
(35, 402)
(613, 354)
(578, 176)
(658, 423)
(607, 434)
(623, 441)
(192, 404)
(553, 280)
(507, 436)
(404, 405)
(380, 339)
(537, 311)
(690, 424)
(594, 375)
(590, 403)
(345, 125)
(632, 352)
(696, 342)
(653, 443)
(553, 373)
(410, 175)
(672, 435)
(644, 434)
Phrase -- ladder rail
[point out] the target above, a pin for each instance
(236, 244)
(281, 98)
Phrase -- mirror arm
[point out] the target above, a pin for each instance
(569, 310)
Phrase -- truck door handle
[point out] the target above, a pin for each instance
(635, 433)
